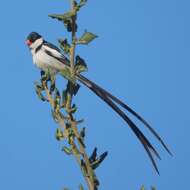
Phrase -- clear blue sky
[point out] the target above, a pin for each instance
(141, 55)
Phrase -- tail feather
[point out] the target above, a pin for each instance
(144, 141)
(125, 106)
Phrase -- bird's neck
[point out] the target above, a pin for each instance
(36, 45)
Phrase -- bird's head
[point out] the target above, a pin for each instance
(33, 39)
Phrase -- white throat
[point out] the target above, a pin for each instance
(36, 44)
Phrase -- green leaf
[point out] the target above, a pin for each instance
(63, 17)
(153, 188)
(96, 182)
(70, 139)
(39, 90)
(67, 74)
(64, 98)
(59, 134)
(66, 19)
(99, 160)
(57, 100)
(64, 45)
(67, 150)
(68, 25)
(38, 86)
(80, 65)
(52, 86)
(143, 188)
(86, 38)
(81, 4)
(81, 187)
(82, 133)
(69, 129)
(44, 77)
(73, 109)
(80, 69)
(93, 156)
(71, 135)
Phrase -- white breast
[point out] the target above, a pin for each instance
(42, 60)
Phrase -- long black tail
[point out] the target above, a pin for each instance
(110, 99)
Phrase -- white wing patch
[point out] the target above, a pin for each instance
(54, 52)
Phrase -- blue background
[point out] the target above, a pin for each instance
(141, 55)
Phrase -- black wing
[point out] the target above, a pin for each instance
(52, 46)
(55, 52)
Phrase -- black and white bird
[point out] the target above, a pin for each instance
(47, 56)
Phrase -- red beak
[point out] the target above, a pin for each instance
(28, 42)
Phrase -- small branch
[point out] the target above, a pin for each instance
(90, 171)
(72, 49)
(72, 55)
(90, 177)
(61, 103)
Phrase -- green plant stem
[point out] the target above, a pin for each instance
(71, 133)
(72, 56)
(91, 174)
(90, 171)
(79, 152)
(72, 49)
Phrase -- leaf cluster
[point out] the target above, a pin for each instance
(68, 17)
(73, 141)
